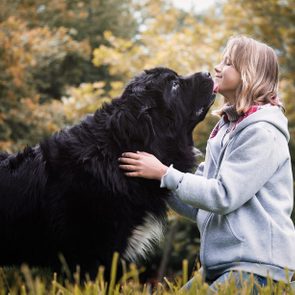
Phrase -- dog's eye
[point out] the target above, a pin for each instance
(200, 111)
(175, 85)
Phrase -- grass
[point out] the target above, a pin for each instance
(27, 281)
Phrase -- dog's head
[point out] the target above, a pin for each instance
(165, 94)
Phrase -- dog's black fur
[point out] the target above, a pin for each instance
(68, 195)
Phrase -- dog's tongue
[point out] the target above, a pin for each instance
(215, 88)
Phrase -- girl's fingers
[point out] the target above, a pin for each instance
(128, 161)
(131, 155)
(128, 167)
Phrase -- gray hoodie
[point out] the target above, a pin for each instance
(242, 197)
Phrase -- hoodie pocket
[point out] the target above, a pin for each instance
(202, 219)
(232, 229)
(221, 242)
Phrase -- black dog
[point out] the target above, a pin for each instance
(68, 195)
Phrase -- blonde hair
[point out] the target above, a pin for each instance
(258, 66)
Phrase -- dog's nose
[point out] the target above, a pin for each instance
(207, 74)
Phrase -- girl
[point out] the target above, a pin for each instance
(242, 195)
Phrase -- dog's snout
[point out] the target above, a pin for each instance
(207, 74)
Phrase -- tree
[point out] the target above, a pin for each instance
(46, 48)
(24, 55)
(85, 20)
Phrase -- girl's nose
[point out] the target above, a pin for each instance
(217, 69)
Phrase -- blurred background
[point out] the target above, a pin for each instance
(61, 59)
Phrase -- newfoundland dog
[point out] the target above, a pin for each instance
(67, 195)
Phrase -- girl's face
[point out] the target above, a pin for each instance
(228, 79)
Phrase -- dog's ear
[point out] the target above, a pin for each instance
(131, 129)
(134, 91)
(145, 117)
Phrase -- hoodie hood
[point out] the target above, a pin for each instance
(268, 113)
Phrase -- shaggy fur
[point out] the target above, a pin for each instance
(67, 195)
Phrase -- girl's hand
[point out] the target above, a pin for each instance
(142, 164)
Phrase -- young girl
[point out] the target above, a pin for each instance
(242, 195)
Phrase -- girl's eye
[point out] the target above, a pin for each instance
(227, 62)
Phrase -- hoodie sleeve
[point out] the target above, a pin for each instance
(200, 169)
(247, 167)
(179, 206)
